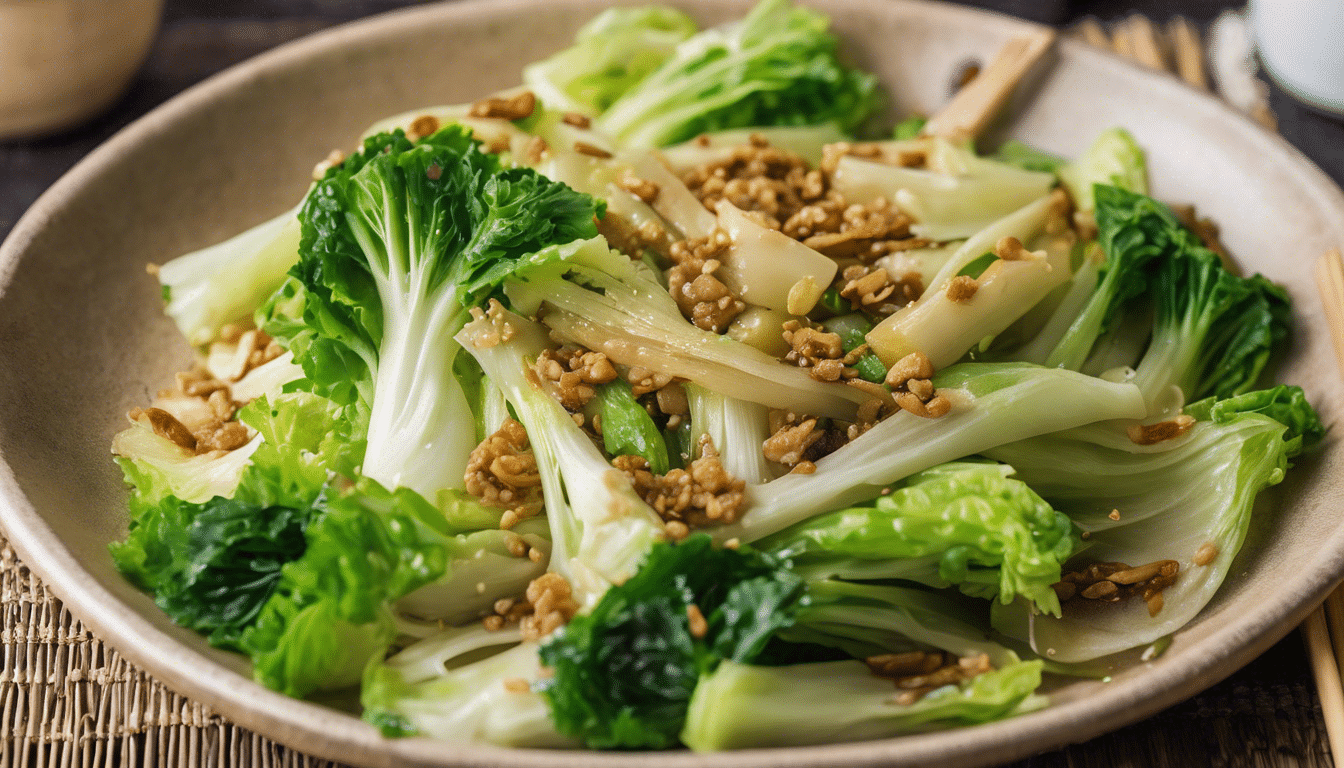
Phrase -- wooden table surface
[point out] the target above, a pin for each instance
(1265, 715)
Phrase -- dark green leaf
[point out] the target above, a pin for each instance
(625, 672)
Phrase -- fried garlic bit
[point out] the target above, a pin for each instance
(910, 381)
(800, 201)
(576, 372)
(200, 414)
(758, 177)
(514, 107)
(643, 380)
(799, 441)
(703, 494)
(791, 440)
(1114, 582)
(502, 472)
(547, 605)
(820, 352)
(1152, 434)
(866, 232)
(916, 673)
(875, 290)
(702, 297)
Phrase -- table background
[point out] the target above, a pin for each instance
(60, 687)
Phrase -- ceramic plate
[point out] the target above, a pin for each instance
(82, 339)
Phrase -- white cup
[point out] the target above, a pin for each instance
(1301, 44)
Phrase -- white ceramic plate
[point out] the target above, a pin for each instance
(82, 340)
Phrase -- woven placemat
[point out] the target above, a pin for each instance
(68, 699)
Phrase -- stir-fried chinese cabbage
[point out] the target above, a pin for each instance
(752, 532)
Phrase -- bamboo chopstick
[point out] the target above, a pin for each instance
(1187, 52)
(1325, 639)
(1091, 32)
(1144, 42)
(971, 109)
(1330, 281)
(1328, 686)
(1175, 48)
(1334, 614)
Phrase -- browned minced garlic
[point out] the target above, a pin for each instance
(519, 548)
(516, 685)
(645, 190)
(758, 177)
(553, 605)
(514, 107)
(910, 379)
(633, 240)
(916, 673)
(208, 435)
(199, 413)
(576, 372)
(703, 494)
(799, 441)
(643, 381)
(548, 605)
(701, 296)
(422, 126)
(875, 290)
(1113, 582)
(696, 621)
(787, 195)
(962, 288)
(1152, 434)
(502, 472)
(1011, 249)
(592, 150)
(501, 329)
(880, 404)
(819, 351)
(865, 232)
(577, 120)
(221, 436)
(791, 440)
(1205, 554)
(672, 401)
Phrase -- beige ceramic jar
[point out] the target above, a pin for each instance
(63, 61)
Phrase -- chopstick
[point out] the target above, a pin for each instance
(1328, 686)
(1177, 49)
(971, 109)
(1187, 52)
(1324, 628)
